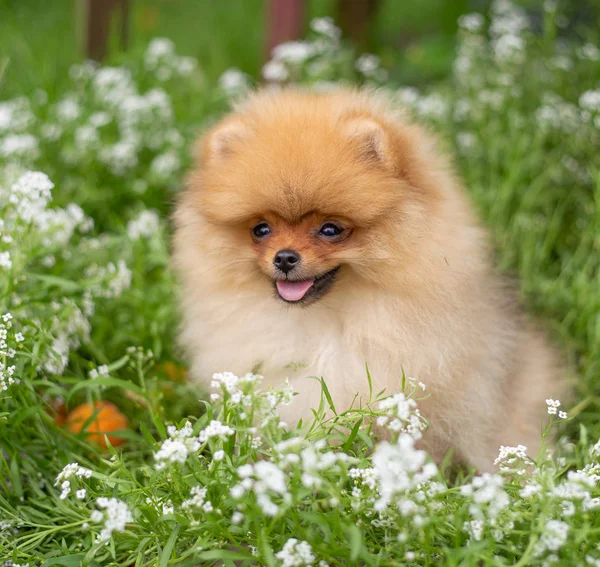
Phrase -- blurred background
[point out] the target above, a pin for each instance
(415, 40)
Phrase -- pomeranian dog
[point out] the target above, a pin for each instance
(320, 232)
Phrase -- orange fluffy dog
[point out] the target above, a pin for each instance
(320, 232)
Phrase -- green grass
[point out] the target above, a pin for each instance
(536, 186)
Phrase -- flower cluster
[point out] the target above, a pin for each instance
(177, 447)
(144, 226)
(163, 62)
(63, 479)
(553, 406)
(114, 513)
(198, 500)
(487, 500)
(7, 371)
(295, 554)
(320, 61)
(268, 482)
(401, 415)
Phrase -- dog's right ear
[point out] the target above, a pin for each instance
(221, 141)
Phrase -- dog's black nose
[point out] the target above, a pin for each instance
(286, 260)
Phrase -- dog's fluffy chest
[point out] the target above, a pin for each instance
(333, 342)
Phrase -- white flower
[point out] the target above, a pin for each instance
(466, 141)
(15, 115)
(488, 495)
(219, 455)
(237, 518)
(589, 51)
(399, 468)
(295, 553)
(96, 516)
(21, 146)
(165, 165)
(215, 429)
(562, 414)
(553, 406)
(68, 109)
(512, 458)
(120, 157)
(145, 225)
(66, 489)
(508, 47)
(367, 64)
(293, 52)
(553, 537)
(158, 48)
(177, 447)
(475, 529)
(81, 493)
(590, 100)
(116, 516)
(72, 469)
(595, 451)
(198, 499)
(5, 261)
(325, 26)
(471, 22)
(233, 82)
(275, 71)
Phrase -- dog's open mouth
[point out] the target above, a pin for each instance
(305, 291)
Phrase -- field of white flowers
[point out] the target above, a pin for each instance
(87, 314)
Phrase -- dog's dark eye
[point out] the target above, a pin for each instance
(261, 230)
(330, 230)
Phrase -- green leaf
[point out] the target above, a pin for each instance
(356, 542)
(328, 396)
(67, 286)
(68, 561)
(168, 550)
(352, 436)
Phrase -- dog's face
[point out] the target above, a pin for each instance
(310, 199)
(302, 258)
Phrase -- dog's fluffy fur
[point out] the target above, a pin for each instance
(416, 289)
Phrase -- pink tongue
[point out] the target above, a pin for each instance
(293, 291)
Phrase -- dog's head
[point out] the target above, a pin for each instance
(301, 190)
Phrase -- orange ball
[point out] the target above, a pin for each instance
(107, 419)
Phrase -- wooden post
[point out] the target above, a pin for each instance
(98, 17)
(354, 17)
(286, 21)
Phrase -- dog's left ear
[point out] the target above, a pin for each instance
(221, 142)
(371, 138)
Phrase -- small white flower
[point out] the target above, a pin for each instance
(96, 516)
(219, 455)
(553, 406)
(367, 64)
(293, 52)
(81, 493)
(233, 82)
(177, 448)
(590, 100)
(215, 429)
(5, 261)
(295, 554)
(325, 26)
(471, 22)
(145, 225)
(116, 516)
(275, 71)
